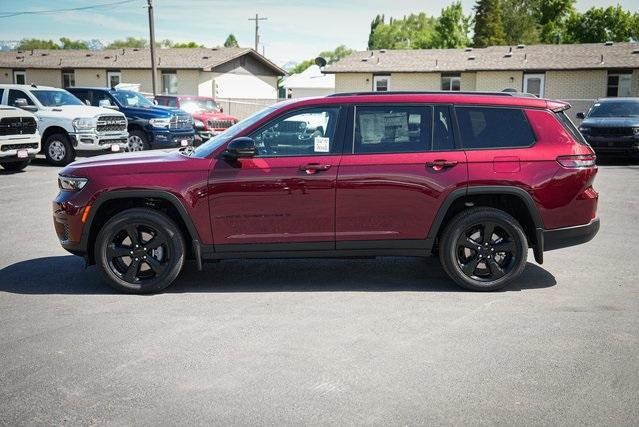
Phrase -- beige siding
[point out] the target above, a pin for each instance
(141, 77)
(582, 84)
(205, 83)
(90, 77)
(6, 75)
(188, 81)
(44, 77)
(635, 83)
(415, 81)
(354, 82)
(468, 81)
(498, 80)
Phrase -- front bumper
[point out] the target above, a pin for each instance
(614, 145)
(569, 236)
(92, 141)
(163, 138)
(9, 148)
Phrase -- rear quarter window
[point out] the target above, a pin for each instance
(493, 127)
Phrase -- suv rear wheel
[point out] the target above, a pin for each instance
(140, 251)
(58, 150)
(483, 249)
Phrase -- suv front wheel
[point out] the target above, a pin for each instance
(140, 251)
(58, 150)
(483, 249)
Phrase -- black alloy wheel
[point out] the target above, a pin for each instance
(486, 252)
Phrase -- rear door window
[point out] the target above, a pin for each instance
(493, 127)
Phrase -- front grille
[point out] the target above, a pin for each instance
(181, 122)
(627, 131)
(220, 124)
(8, 147)
(111, 124)
(291, 126)
(18, 126)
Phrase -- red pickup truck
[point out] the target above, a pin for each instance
(209, 119)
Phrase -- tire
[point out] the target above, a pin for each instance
(479, 265)
(137, 141)
(58, 150)
(16, 166)
(146, 268)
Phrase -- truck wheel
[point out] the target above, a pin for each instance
(483, 249)
(58, 150)
(16, 166)
(137, 141)
(140, 251)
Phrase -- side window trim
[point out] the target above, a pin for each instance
(506, 107)
(339, 128)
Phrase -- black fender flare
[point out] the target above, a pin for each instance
(522, 194)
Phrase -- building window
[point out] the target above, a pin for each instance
(451, 82)
(169, 82)
(619, 83)
(381, 83)
(535, 84)
(68, 78)
(20, 77)
(114, 78)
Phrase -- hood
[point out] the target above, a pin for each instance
(153, 112)
(7, 111)
(75, 111)
(611, 122)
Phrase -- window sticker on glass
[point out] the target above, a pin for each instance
(382, 127)
(322, 144)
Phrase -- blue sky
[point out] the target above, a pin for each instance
(295, 30)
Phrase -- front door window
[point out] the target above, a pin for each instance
(114, 78)
(381, 83)
(20, 77)
(534, 84)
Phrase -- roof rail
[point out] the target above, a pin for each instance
(432, 92)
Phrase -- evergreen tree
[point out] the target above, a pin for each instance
(231, 41)
(489, 29)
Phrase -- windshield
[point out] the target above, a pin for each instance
(55, 98)
(615, 109)
(193, 105)
(214, 143)
(132, 99)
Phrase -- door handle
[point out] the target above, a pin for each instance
(311, 168)
(441, 164)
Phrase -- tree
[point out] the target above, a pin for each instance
(598, 25)
(552, 16)
(489, 29)
(29, 44)
(67, 43)
(379, 19)
(172, 44)
(412, 32)
(130, 42)
(231, 41)
(330, 56)
(520, 22)
(452, 27)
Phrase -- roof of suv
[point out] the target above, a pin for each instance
(28, 87)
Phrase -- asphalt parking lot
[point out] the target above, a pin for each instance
(386, 341)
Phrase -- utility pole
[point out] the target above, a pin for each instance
(154, 69)
(257, 20)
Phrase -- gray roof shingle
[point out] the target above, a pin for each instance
(204, 59)
(526, 58)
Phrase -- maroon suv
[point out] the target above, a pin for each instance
(476, 179)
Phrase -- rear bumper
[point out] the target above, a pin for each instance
(569, 236)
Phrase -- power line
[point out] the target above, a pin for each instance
(71, 9)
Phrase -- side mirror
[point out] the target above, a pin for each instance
(23, 104)
(86, 101)
(240, 147)
(581, 115)
(105, 103)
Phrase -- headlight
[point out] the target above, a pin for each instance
(85, 123)
(71, 184)
(160, 123)
(635, 131)
(198, 123)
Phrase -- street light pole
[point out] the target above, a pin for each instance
(257, 20)
(154, 70)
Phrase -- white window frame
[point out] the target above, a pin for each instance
(117, 74)
(381, 78)
(68, 72)
(627, 77)
(19, 73)
(451, 79)
(165, 90)
(542, 86)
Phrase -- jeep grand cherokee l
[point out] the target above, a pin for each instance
(475, 179)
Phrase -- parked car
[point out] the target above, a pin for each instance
(475, 179)
(19, 138)
(150, 126)
(209, 118)
(67, 125)
(611, 126)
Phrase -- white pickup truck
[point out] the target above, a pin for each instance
(66, 124)
(19, 138)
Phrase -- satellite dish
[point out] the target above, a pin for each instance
(320, 62)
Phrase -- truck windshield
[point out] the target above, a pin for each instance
(193, 105)
(615, 109)
(214, 143)
(132, 99)
(55, 98)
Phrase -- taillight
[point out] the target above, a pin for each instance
(577, 161)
